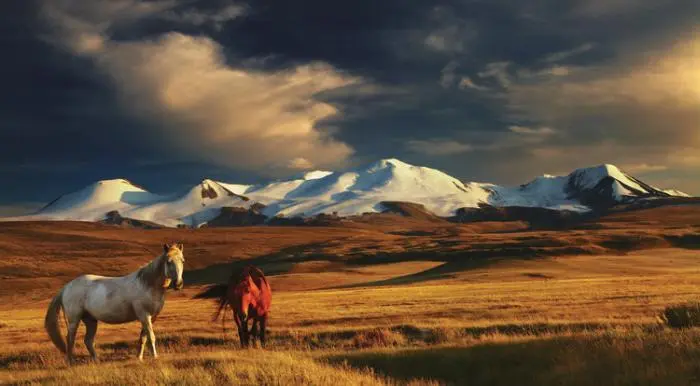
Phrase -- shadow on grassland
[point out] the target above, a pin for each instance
(661, 358)
(442, 271)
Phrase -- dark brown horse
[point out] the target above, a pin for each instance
(249, 295)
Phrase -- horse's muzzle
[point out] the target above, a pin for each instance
(178, 286)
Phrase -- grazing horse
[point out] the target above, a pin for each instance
(250, 297)
(115, 300)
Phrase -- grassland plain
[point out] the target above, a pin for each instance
(404, 303)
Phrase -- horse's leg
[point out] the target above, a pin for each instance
(242, 325)
(90, 332)
(70, 338)
(151, 336)
(147, 331)
(263, 327)
(237, 320)
(246, 331)
(254, 330)
(142, 341)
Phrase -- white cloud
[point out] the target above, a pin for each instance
(81, 26)
(438, 147)
(448, 75)
(467, 82)
(553, 71)
(643, 168)
(685, 157)
(207, 109)
(214, 18)
(300, 163)
(561, 55)
(653, 101)
(448, 40)
(532, 131)
(449, 34)
(498, 71)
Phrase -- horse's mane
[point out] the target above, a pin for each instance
(249, 270)
(256, 272)
(151, 271)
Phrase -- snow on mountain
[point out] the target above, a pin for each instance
(195, 207)
(675, 193)
(312, 175)
(588, 178)
(239, 189)
(350, 192)
(545, 191)
(198, 205)
(276, 190)
(92, 202)
(361, 190)
(580, 190)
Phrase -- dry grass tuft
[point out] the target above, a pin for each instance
(682, 315)
(379, 337)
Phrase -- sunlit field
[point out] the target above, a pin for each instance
(577, 319)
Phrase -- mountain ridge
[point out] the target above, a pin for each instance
(347, 193)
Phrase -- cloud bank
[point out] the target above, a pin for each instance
(201, 105)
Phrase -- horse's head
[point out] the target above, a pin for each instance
(247, 292)
(174, 265)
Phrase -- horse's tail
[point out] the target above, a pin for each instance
(215, 291)
(51, 322)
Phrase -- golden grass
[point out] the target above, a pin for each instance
(250, 367)
(667, 358)
(603, 310)
(474, 304)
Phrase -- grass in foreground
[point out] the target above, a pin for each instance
(668, 358)
(249, 367)
(496, 327)
(663, 357)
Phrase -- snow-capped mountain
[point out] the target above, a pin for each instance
(363, 189)
(583, 189)
(195, 207)
(346, 193)
(92, 202)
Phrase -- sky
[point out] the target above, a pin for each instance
(168, 92)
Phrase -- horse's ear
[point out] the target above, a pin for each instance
(182, 247)
(166, 248)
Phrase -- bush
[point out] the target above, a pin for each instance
(682, 315)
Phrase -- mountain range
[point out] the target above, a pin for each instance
(370, 188)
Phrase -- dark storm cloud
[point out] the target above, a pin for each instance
(53, 106)
(411, 46)
(388, 78)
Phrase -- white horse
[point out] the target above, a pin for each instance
(115, 300)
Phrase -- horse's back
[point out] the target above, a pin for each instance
(105, 298)
(75, 293)
(79, 286)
